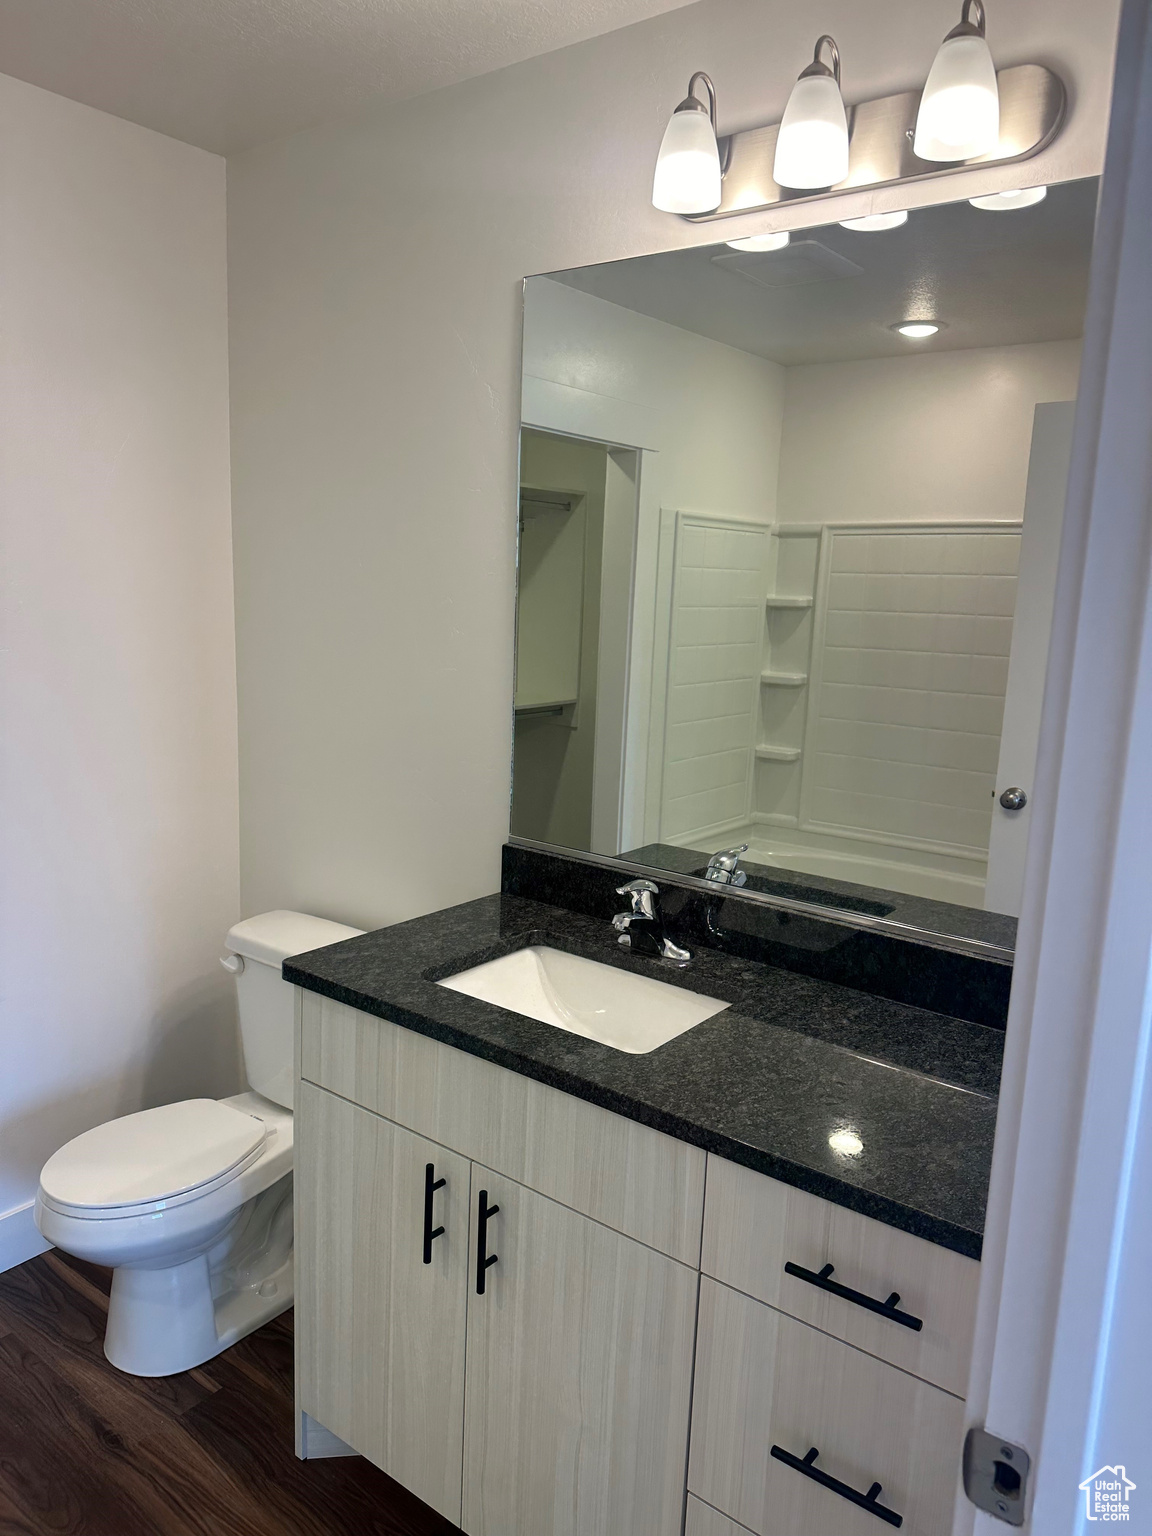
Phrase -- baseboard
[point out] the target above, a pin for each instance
(20, 1238)
(314, 1441)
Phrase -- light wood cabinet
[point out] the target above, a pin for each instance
(754, 1226)
(703, 1520)
(596, 1372)
(642, 1183)
(764, 1379)
(380, 1335)
(557, 1400)
(579, 1376)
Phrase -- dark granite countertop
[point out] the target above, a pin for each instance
(765, 1083)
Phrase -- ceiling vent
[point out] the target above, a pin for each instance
(796, 266)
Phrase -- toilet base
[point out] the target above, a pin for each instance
(169, 1318)
(164, 1321)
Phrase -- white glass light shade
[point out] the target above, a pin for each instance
(959, 114)
(775, 242)
(812, 145)
(687, 178)
(917, 330)
(1019, 197)
(874, 221)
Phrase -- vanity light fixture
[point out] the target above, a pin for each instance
(966, 111)
(959, 114)
(812, 145)
(688, 171)
(874, 221)
(918, 330)
(773, 242)
(1019, 197)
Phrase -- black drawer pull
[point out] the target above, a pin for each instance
(863, 1500)
(881, 1308)
(431, 1185)
(484, 1259)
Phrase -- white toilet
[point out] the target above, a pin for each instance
(191, 1203)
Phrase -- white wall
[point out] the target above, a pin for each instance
(939, 437)
(711, 412)
(375, 277)
(117, 687)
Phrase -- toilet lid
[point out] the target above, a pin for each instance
(152, 1155)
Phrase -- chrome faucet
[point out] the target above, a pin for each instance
(642, 930)
(722, 867)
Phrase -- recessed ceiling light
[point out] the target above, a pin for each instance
(847, 1142)
(775, 242)
(917, 330)
(1019, 197)
(872, 221)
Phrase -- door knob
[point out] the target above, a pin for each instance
(1014, 799)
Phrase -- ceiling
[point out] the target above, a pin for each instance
(228, 74)
(993, 279)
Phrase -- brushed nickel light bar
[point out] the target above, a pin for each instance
(1033, 102)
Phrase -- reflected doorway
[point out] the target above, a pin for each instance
(577, 537)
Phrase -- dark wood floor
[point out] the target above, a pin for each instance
(88, 1451)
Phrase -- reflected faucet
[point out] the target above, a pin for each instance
(722, 867)
(642, 929)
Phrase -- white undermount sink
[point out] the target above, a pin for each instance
(618, 1008)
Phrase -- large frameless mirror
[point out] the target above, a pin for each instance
(789, 527)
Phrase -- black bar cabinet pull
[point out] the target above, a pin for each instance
(431, 1185)
(881, 1308)
(862, 1500)
(484, 1259)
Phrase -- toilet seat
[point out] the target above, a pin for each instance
(152, 1160)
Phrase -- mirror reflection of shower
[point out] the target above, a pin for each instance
(822, 628)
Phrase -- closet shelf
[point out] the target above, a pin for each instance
(789, 602)
(778, 754)
(784, 679)
(544, 707)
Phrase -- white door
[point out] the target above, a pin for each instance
(1064, 1321)
(1028, 659)
(579, 1375)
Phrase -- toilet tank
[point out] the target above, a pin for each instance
(257, 948)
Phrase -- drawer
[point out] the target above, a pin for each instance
(703, 1520)
(754, 1225)
(629, 1177)
(763, 1379)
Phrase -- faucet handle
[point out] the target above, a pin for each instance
(722, 866)
(643, 894)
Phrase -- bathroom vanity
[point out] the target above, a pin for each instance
(553, 1287)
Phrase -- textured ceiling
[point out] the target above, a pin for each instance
(227, 74)
(994, 279)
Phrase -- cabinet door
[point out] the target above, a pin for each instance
(579, 1375)
(380, 1334)
(641, 1182)
(764, 1380)
(703, 1520)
